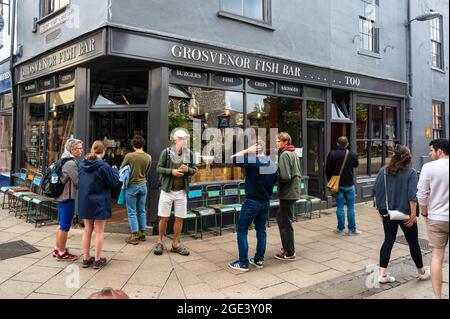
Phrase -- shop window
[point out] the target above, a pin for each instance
(275, 112)
(6, 130)
(377, 122)
(60, 123)
(50, 6)
(376, 134)
(368, 30)
(362, 121)
(6, 101)
(436, 43)
(438, 124)
(211, 109)
(33, 133)
(313, 92)
(315, 110)
(252, 9)
(112, 88)
(391, 124)
(376, 157)
(363, 158)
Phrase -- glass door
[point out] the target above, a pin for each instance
(116, 129)
(315, 162)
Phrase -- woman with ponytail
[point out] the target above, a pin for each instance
(96, 180)
(400, 185)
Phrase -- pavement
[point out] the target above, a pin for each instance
(329, 266)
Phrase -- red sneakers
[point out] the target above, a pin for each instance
(66, 256)
(283, 255)
(55, 252)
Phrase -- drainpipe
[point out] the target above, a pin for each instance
(13, 91)
(410, 77)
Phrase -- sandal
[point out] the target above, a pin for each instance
(180, 250)
(158, 250)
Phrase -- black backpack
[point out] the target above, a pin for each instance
(52, 186)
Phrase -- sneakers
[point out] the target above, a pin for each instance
(236, 265)
(141, 235)
(354, 233)
(386, 279)
(133, 239)
(100, 263)
(159, 248)
(87, 263)
(283, 255)
(66, 256)
(257, 264)
(339, 232)
(426, 275)
(55, 252)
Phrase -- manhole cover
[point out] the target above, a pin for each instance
(424, 244)
(16, 249)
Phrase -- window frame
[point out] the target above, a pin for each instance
(265, 22)
(371, 140)
(375, 35)
(436, 37)
(44, 15)
(438, 132)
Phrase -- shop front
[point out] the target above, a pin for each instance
(6, 123)
(117, 83)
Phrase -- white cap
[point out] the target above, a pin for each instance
(180, 134)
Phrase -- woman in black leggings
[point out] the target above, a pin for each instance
(401, 189)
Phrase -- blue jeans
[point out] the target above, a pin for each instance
(252, 211)
(136, 197)
(346, 195)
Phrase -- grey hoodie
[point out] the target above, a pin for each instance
(69, 174)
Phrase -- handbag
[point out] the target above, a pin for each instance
(393, 214)
(121, 199)
(333, 184)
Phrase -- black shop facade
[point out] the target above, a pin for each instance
(114, 83)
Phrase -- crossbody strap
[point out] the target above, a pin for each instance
(343, 163)
(385, 188)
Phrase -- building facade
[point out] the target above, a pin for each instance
(429, 78)
(6, 118)
(317, 69)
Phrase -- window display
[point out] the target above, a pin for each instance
(34, 133)
(60, 123)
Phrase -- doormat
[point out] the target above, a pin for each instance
(424, 244)
(16, 249)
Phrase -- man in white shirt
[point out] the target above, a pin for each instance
(433, 196)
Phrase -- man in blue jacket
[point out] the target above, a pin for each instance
(260, 178)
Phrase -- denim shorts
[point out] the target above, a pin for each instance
(66, 213)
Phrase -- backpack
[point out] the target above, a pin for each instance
(52, 186)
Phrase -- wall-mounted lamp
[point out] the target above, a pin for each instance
(35, 26)
(388, 47)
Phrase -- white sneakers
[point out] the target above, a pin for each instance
(426, 275)
(386, 279)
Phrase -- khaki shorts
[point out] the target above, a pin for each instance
(437, 233)
(179, 199)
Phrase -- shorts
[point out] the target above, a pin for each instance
(437, 233)
(66, 213)
(167, 199)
